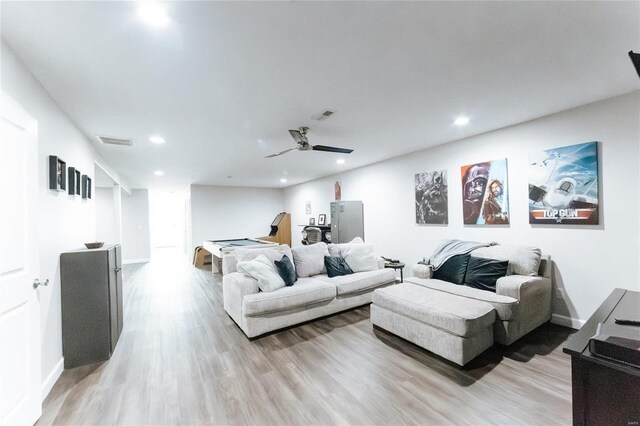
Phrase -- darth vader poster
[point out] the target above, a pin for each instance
(485, 193)
(432, 198)
(563, 185)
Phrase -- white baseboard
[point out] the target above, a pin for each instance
(52, 378)
(129, 262)
(567, 321)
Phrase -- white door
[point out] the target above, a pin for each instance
(20, 394)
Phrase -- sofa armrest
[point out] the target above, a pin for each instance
(422, 271)
(229, 263)
(235, 286)
(521, 287)
(380, 261)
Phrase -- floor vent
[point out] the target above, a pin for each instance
(116, 141)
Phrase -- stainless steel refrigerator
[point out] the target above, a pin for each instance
(347, 221)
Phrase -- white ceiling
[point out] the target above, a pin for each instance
(224, 81)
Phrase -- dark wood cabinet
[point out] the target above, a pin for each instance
(92, 309)
(604, 392)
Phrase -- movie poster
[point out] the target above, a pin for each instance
(563, 185)
(431, 198)
(485, 193)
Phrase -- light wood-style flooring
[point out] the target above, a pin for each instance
(182, 360)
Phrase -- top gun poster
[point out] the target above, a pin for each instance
(563, 185)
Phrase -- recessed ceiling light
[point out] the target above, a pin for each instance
(283, 180)
(340, 161)
(461, 121)
(229, 177)
(153, 13)
(157, 139)
(158, 173)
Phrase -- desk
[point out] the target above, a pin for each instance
(604, 392)
(219, 248)
(396, 266)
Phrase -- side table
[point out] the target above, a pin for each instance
(396, 266)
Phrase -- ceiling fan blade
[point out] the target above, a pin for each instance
(297, 136)
(279, 153)
(324, 148)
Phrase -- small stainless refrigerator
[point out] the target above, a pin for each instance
(347, 221)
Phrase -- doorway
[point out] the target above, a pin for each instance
(167, 221)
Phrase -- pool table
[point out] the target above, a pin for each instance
(219, 248)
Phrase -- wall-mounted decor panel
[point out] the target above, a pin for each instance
(485, 193)
(74, 181)
(57, 173)
(86, 187)
(432, 195)
(563, 185)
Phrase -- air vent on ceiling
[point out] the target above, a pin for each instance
(328, 113)
(116, 141)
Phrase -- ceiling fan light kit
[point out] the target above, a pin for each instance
(300, 136)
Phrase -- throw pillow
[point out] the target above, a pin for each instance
(272, 253)
(286, 271)
(309, 260)
(483, 273)
(453, 270)
(336, 266)
(335, 250)
(262, 270)
(523, 260)
(360, 257)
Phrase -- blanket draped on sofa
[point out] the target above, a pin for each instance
(449, 248)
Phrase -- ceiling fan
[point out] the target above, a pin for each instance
(300, 136)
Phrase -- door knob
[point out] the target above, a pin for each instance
(37, 282)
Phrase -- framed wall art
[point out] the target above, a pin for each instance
(431, 191)
(57, 173)
(322, 219)
(86, 187)
(74, 181)
(485, 193)
(563, 185)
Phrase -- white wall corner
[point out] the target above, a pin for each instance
(52, 378)
(566, 321)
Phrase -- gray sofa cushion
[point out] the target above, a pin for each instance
(304, 292)
(523, 260)
(505, 306)
(361, 281)
(273, 253)
(309, 260)
(456, 315)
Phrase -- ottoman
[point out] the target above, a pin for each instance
(454, 327)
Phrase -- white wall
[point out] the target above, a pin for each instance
(591, 260)
(105, 215)
(65, 221)
(222, 212)
(135, 226)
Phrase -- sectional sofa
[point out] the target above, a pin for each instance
(313, 295)
(459, 322)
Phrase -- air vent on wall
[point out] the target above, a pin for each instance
(328, 113)
(116, 141)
